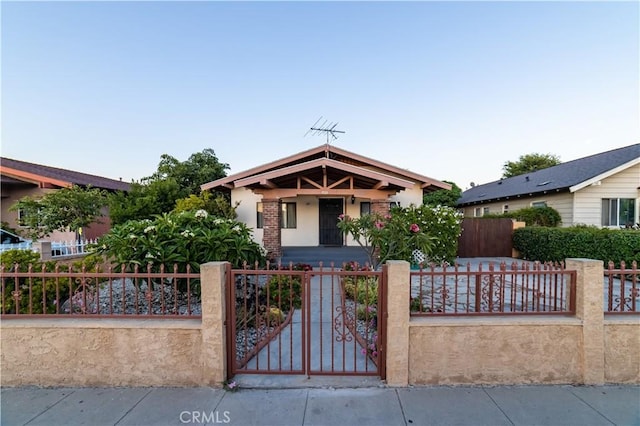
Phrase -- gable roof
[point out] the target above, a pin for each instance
(570, 176)
(16, 170)
(328, 156)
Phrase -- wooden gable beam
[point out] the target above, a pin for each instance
(381, 184)
(268, 183)
(309, 181)
(344, 179)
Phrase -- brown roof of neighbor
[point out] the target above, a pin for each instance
(23, 170)
(333, 153)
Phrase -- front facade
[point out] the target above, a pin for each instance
(600, 190)
(296, 201)
(19, 179)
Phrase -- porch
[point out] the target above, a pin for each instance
(325, 254)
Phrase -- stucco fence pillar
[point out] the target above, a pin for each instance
(590, 310)
(214, 342)
(398, 311)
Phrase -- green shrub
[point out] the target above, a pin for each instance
(184, 238)
(533, 216)
(557, 244)
(45, 294)
(285, 292)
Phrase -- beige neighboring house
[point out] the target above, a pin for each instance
(601, 190)
(20, 178)
(296, 201)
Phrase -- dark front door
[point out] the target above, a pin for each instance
(330, 209)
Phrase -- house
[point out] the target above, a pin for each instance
(600, 190)
(20, 178)
(296, 201)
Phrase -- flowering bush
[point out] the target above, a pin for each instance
(432, 231)
(372, 347)
(184, 238)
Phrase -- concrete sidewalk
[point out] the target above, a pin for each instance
(500, 405)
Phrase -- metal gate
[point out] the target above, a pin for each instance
(303, 321)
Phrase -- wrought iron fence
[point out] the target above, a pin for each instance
(528, 288)
(128, 292)
(622, 289)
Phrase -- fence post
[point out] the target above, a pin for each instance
(214, 343)
(398, 307)
(590, 309)
(44, 248)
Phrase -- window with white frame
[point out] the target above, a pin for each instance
(477, 212)
(505, 208)
(539, 204)
(485, 210)
(618, 211)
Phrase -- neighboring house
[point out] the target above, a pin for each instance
(19, 179)
(296, 201)
(600, 190)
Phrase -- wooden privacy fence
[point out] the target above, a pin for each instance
(486, 237)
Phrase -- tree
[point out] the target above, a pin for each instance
(443, 197)
(200, 168)
(67, 208)
(217, 206)
(158, 193)
(529, 163)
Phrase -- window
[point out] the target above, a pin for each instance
(365, 208)
(505, 208)
(288, 215)
(618, 211)
(539, 204)
(22, 215)
(21, 221)
(485, 210)
(259, 216)
(477, 212)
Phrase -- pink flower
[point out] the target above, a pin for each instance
(379, 225)
(387, 216)
(414, 228)
(363, 351)
(341, 216)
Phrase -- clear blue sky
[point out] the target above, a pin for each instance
(450, 90)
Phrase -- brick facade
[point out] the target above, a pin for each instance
(271, 239)
(382, 207)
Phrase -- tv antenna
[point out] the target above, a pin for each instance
(327, 127)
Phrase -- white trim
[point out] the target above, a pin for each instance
(596, 179)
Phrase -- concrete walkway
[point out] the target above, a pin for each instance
(333, 347)
(504, 405)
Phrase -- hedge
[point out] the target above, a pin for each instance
(557, 244)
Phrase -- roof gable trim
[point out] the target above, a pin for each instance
(32, 177)
(322, 162)
(604, 175)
